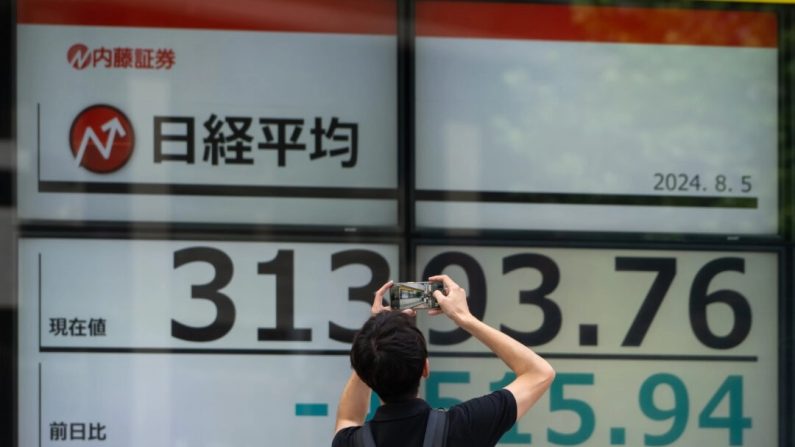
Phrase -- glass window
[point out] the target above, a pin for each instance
(198, 201)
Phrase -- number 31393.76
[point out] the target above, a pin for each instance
(282, 266)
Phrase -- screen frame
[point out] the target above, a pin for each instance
(406, 234)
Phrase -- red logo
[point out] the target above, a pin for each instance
(101, 139)
(78, 56)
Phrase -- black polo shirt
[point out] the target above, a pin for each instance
(478, 422)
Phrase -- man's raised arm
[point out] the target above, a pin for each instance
(355, 399)
(533, 374)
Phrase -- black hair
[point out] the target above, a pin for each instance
(388, 354)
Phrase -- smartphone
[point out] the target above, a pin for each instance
(414, 295)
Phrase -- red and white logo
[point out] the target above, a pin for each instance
(78, 56)
(101, 139)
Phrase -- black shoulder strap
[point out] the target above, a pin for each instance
(364, 437)
(436, 429)
(435, 432)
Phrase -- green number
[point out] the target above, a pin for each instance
(374, 404)
(679, 412)
(512, 436)
(435, 379)
(557, 402)
(735, 422)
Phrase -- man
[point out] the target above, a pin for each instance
(389, 355)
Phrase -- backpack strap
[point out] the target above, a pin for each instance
(364, 437)
(435, 432)
(436, 429)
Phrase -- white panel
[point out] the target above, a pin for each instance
(218, 78)
(133, 380)
(596, 119)
(601, 291)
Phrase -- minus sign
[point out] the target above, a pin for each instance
(311, 409)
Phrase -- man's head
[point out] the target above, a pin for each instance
(389, 354)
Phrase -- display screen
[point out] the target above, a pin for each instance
(650, 347)
(189, 342)
(209, 194)
(584, 118)
(273, 117)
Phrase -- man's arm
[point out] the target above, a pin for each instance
(354, 403)
(355, 399)
(533, 374)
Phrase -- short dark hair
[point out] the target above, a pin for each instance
(388, 354)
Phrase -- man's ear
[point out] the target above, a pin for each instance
(426, 369)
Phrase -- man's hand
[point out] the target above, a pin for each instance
(378, 299)
(378, 302)
(453, 301)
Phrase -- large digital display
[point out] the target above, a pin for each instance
(209, 194)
